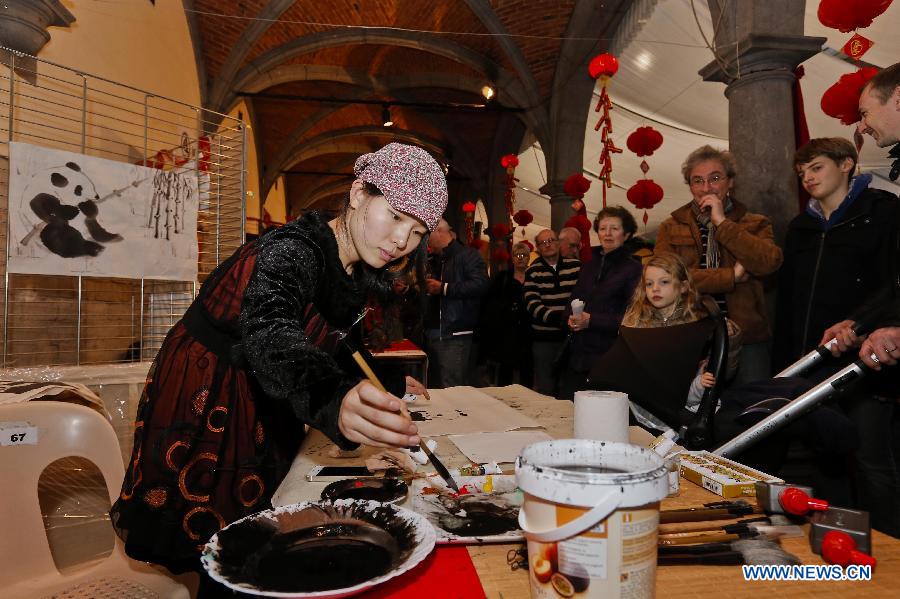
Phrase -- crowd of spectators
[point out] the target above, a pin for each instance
(837, 264)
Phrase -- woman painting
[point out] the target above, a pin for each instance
(258, 356)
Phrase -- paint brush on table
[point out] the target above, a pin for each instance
(775, 524)
(718, 536)
(441, 469)
(723, 510)
(743, 551)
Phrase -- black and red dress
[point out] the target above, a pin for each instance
(222, 415)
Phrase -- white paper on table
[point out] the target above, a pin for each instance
(461, 410)
(482, 448)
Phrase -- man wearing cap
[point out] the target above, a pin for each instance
(457, 281)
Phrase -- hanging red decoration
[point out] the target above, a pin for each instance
(856, 46)
(841, 100)
(510, 162)
(499, 231)
(477, 243)
(847, 15)
(468, 209)
(643, 141)
(644, 194)
(603, 67)
(576, 186)
(523, 218)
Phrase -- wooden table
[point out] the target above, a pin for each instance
(672, 582)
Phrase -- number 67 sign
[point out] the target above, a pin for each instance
(17, 433)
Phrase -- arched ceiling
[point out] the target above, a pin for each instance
(315, 76)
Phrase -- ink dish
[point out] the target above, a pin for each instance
(318, 549)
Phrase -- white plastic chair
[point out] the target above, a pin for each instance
(28, 570)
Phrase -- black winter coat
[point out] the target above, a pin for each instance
(828, 274)
(504, 330)
(605, 284)
(465, 275)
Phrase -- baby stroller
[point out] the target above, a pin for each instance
(655, 367)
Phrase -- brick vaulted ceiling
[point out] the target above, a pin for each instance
(314, 75)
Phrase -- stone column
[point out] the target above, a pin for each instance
(560, 204)
(759, 46)
(23, 28)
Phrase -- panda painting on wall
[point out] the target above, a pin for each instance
(72, 214)
(56, 230)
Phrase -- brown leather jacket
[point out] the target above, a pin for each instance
(743, 237)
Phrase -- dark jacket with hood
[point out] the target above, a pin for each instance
(831, 267)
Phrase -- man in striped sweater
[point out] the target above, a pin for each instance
(548, 284)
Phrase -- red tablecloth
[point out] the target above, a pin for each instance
(447, 573)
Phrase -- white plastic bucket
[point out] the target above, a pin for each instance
(590, 515)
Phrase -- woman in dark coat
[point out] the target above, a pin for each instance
(605, 285)
(258, 355)
(504, 328)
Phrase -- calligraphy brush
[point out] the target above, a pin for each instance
(763, 524)
(742, 551)
(441, 469)
(676, 527)
(768, 532)
(723, 510)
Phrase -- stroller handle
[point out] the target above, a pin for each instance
(820, 353)
(793, 410)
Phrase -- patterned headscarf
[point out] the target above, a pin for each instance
(410, 179)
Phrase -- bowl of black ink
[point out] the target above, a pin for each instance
(318, 549)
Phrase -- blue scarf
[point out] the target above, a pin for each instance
(857, 186)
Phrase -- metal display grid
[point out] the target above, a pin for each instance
(65, 320)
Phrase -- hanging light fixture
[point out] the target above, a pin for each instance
(488, 91)
(386, 116)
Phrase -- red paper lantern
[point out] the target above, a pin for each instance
(468, 207)
(499, 231)
(644, 141)
(841, 100)
(509, 161)
(523, 218)
(603, 65)
(847, 15)
(576, 186)
(644, 194)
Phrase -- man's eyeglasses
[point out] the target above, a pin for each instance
(547, 242)
(712, 180)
